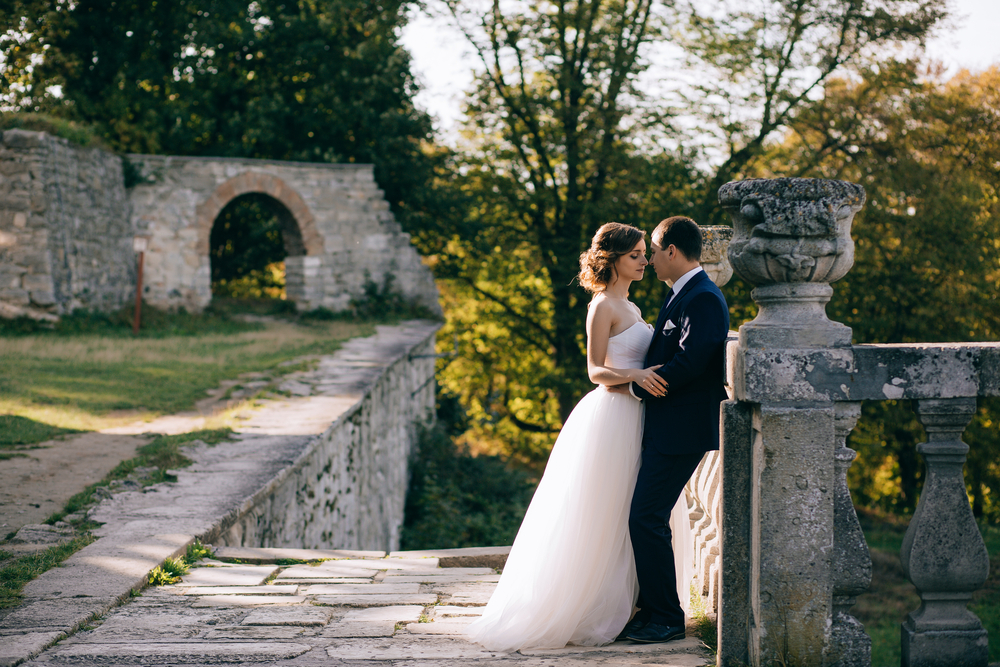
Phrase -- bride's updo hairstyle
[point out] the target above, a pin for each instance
(597, 264)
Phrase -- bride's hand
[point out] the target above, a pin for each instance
(651, 382)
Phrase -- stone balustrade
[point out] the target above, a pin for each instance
(775, 503)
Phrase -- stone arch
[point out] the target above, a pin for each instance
(251, 182)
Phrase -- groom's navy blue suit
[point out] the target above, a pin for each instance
(689, 340)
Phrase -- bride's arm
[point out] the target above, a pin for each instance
(600, 319)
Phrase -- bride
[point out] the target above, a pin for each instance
(570, 576)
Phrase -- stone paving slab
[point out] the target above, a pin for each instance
(444, 611)
(256, 633)
(248, 575)
(408, 564)
(312, 572)
(54, 615)
(246, 600)
(323, 580)
(300, 616)
(28, 642)
(466, 595)
(269, 556)
(396, 614)
(361, 589)
(184, 653)
(449, 627)
(290, 589)
(409, 647)
(443, 572)
(491, 557)
(376, 600)
(441, 580)
(361, 629)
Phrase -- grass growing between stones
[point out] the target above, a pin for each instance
(91, 381)
(174, 568)
(16, 571)
(705, 628)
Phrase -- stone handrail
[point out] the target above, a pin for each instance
(793, 555)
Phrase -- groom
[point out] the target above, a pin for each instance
(689, 340)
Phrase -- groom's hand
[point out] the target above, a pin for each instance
(618, 389)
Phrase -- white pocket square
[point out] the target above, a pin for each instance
(668, 326)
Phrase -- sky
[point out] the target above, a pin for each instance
(443, 63)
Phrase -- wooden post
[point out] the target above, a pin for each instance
(139, 244)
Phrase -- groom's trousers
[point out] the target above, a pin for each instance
(660, 483)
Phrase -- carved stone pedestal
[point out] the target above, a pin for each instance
(791, 239)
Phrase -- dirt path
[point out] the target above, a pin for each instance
(36, 485)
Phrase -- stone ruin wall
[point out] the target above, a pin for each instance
(65, 229)
(340, 229)
(67, 223)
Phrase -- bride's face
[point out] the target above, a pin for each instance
(632, 266)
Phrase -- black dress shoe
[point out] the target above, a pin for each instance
(631, 627)
(654, 633)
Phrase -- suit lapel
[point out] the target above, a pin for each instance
(661, 319)
(695, 279)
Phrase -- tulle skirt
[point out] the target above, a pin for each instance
(570, 576)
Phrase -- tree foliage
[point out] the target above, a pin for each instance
(555, 88)
(927, 262)
(766, 61)
(312, 80)
(562, 140)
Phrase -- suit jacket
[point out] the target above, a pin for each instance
(686, 420)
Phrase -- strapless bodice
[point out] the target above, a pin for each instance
(628, 349)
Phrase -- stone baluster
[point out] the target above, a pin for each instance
(943, 552)
(850, 646)
(791, 240)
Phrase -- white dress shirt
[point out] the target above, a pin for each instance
(681, 282)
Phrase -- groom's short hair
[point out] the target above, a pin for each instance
(681, 232)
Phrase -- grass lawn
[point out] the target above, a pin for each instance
(89, 381)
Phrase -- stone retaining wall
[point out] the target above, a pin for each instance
(65, 232)
(347, 490)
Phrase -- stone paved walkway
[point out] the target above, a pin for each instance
(142, 527)
(361, 608)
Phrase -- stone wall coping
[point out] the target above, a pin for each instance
(252, 161)
(425, 330)
(876, 372)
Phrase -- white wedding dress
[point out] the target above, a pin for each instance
(570, 576)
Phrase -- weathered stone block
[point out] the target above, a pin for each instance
(22, 139)
(791, 595)
(734, 598)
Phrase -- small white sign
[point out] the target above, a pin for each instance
(140, 243)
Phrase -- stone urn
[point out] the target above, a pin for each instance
(791, 239)
(714, 258)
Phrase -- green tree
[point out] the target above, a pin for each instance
(764, 62)
(313, 80)
(927, 259)
(562, 140)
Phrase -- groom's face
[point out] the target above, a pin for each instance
(660, 261)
